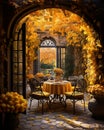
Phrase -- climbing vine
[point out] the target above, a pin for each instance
(76, 31)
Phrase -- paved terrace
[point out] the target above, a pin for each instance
(59, 118)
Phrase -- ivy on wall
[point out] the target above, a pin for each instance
(76, 31)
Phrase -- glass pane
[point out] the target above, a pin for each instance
(20, 69)
(15, 79)
(20, 56)
(63, 58)
(15, 68)
(47, 43)
(14, 56)
(15, 45)
(20, 78)
(58, 57)
(16, 36)
(63, 50)
(19, 45)
(47, 59)
(20, 87)
(17, 83)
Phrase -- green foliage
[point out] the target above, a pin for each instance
(46, 66)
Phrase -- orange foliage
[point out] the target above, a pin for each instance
(48, 55)
(68, 24)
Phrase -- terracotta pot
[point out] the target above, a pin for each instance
(96, 106)
(99, 99)
(9, 121)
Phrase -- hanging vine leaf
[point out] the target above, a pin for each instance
(73, 27)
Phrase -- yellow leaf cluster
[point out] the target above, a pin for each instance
(29, 76)
(50, 58)
(39, 75)
(96, 90)
(12, 102)
(58, 71)
(65, 23)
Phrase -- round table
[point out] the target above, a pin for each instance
(57, 87)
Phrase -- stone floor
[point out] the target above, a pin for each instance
(59, 118)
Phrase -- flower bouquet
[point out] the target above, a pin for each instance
(29, 76)
(58, 71)
(12, 102)
(39, 75)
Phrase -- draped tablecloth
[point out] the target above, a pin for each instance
(57, 87)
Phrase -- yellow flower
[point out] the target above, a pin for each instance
(11, 102)
(58, 71)
(29, 76)
(96, 90)
(39, 75)
(47, 75)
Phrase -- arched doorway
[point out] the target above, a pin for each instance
(30, 9)
(50, 54)
(47, 55)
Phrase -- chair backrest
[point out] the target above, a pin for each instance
(81, 84)
(73, 80)
(35, 84)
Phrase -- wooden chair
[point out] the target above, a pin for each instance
(38, 94)
(77, 94)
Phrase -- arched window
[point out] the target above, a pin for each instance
(48, 42)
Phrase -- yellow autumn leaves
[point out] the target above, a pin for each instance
(96, 90)
(58, 71)
(29, 76)
(12, 102)
(60, 21)
(37, 75)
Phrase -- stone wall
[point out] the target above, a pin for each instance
(91, 11)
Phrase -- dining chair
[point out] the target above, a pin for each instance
(73, 80)
(38, 94)
(78, 94)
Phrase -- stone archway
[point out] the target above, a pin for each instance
(81, 8)
(76, 7)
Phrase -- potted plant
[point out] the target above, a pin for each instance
(11, 104)
(96, 104)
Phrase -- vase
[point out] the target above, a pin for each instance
(10, 121)
(58, 77)
(96, 106)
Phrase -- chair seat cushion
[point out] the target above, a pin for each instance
(74, 95)
(41, 94)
